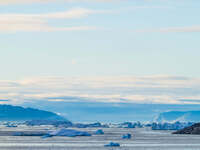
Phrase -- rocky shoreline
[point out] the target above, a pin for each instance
(194, 129)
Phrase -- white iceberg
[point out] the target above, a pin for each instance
(111, 144)
(98, 132)
(68, 133)
(126, 136)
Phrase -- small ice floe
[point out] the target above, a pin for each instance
(11, 126)
(99, 132)
(29, 134)
(126, 136)
(46, 136)
(112, 144)
(67, 132)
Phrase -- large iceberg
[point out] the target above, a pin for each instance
(130, 125)
(170, 126)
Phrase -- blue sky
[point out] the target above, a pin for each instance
(126, 37)
(115, 51)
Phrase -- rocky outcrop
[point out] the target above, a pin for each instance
(194, 129)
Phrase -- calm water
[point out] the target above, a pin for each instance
(143, 139)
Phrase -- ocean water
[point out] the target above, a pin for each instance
(143, 139)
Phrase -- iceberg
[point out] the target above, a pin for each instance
(68, 133)
(126, 136)
(60, 132)
(11, 126)
(170, 126)
(92, 125)
(98, 132)
(130, 125)
(56, 123)
(112, 144)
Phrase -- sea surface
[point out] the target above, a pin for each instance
(143, 139)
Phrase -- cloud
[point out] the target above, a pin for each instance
(173, 29)
(8, 2)
(160, 89)
(22, 22)
(8, 28)
(39, 22)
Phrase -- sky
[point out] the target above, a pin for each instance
(100, 51)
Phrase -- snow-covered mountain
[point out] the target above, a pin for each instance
(182, 116)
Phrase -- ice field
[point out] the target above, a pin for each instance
(143, 139)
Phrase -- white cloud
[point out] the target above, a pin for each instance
(174, 29)
(7, 2)
(129, 89)
(39, 22)
(181, 29)
(8, 28)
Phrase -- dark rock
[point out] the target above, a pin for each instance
(29, 133)
(194, 129)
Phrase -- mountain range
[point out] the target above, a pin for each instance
(87, 112)
(113, 113)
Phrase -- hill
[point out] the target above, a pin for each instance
(17, 113)
(182, 116)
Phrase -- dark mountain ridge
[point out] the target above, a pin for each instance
(17, 113)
